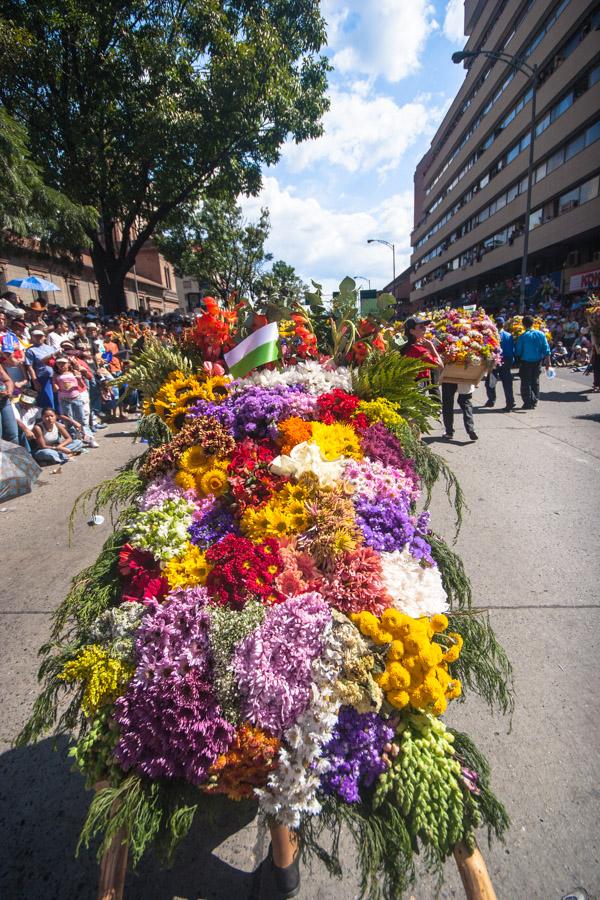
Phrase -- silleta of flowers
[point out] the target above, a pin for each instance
(272, 620)
(515, 326)
(465, 337)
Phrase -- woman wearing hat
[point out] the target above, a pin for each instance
(417, 346)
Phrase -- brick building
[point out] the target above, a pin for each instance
(470, 187)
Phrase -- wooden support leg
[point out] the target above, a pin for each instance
(113, 865)
(474, 874)
(113, 868)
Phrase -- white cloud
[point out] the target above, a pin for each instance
(454, 21)
(384, 40)
(325, 244)
(365, 132)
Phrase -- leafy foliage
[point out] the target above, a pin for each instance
(140, 108)
(219, 248)
(28, 207)
(483, 666)
(150, 367)
(394, 377)
(493, 812)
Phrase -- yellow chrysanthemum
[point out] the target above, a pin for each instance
(188, 569)
(381, 410)
(104, 678)
(185, 480)
(336, 440)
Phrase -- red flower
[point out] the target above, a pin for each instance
(243, 571)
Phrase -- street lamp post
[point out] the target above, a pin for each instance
(364, 278)
(519, 65)
(392, 248)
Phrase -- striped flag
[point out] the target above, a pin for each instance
(257, 349)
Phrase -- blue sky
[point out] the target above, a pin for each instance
(392, 83)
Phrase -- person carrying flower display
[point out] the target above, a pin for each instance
(502, 372)
(274, 620)
(418, 346)
(532, 351)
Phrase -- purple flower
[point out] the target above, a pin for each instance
(355, 753)
(379, 443)
(255, 411)
(214, 522)
(273, 663)
(170, 721)
(387, 525)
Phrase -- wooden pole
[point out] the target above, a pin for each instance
(113, 865)
(474, 874)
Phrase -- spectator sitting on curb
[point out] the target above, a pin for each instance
(53, 441)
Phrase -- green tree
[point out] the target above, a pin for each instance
(281, 284)
(140, 107)
(219, 247)
(28, 207)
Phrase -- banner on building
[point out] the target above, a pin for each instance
(584, 281)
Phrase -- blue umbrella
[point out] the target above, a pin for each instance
(33, 283)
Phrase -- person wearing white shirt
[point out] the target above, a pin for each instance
(61, 333)
(465, 398)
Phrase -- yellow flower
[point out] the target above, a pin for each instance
(193, 460)
(381, 410)
(215, 388)
(185, 480)
(104, 678)
(213, 481)
(439, 622)
(336, 440)
(188, 569)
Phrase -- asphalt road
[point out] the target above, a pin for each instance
(530, 544)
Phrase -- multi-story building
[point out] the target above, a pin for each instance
(470, 187)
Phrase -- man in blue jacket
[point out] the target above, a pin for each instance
(532, 351)
(502, 372)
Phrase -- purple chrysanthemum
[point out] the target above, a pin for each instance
(387, 525)
(213, 523)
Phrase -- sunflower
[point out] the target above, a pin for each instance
(185, 481)
(212, 481)
(215, 388)
(193, 460)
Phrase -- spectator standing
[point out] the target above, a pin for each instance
(37, 360)
(59, 334)
(532, 350)
(70, 386)
(8, 424)
(502, 372)
(54, 443)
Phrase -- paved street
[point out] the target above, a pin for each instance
(530, 545)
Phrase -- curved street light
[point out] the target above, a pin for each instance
(364, 278)
(519, 65)
(392, 248)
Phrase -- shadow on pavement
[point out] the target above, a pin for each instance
(453, 443)
(568, 396)
(42, 808)
(589, 417)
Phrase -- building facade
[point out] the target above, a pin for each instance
(470, 187)
(150, 287)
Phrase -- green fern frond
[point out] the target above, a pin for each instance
(394, 377)
(149, 368)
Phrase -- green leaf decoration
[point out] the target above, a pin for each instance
(394, 377)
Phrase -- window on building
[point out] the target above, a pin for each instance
(589, 189)
(167, 277)
(575, 146)
(74, 293)
(535, 218)
(554, 161)
(568, 201)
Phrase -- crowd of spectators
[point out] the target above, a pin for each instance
(58, 374)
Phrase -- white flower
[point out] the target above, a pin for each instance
(317, 379)
(416, 590)
(307, 457)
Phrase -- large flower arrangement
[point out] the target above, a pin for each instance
(465, 337)
(592, 314)
(275, 620)
(515, 326)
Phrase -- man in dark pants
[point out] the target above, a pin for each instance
(531, 351)
(465, 401)
(502, 372)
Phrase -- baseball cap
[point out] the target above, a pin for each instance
(38, 331)
(414, 321)
(61, 359)
(500, 320)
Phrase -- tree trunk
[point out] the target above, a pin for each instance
(110, 274)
